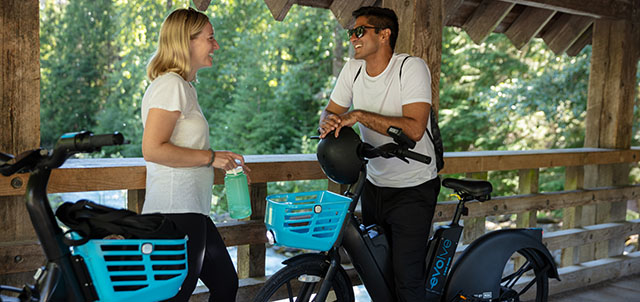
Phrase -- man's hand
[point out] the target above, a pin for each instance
(329, 123)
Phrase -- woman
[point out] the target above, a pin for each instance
(175, 145)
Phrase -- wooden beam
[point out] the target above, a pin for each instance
(202, 5)
(79, 175)
(579, 44)
(485, 19)
(590, 234)
(279, 8)
(564, 31)
(427, 42)
(528, 25)
(20, 114)
(342, 10)
(541, 201)
(614, 9)
(450, 7)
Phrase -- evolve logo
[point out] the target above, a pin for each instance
(443, 259)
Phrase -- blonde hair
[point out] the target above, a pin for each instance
(172, 55)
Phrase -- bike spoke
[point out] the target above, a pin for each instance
(306, 291)
(514, 277)
(289, 291)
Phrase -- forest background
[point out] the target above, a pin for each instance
(270, 80)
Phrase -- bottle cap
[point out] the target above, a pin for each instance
(235, 171)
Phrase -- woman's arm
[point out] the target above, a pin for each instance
(156, 147)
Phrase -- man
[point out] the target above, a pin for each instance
(398, 196)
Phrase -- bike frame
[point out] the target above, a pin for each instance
(370, 256)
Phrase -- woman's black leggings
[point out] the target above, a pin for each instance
(208, 259)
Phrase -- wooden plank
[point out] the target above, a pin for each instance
(528, 25)
(20, 114)
(614, 9)
(342, 10)
(20, 256)
(579, 44)
(251, 257)
(427, 21)
(562, 33)
(541, 201)
(279, 8)
(130, 173)
(202, 5)
(590, 234)
(450, 7)
(474, 226)
(594, 272)
(572, 217)
(135, 200)
(485, 18)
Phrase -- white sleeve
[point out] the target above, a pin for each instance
(168, 93)
(342, 93)
(415, 82)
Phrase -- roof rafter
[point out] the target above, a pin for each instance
(343, 9)
(279, 8)
(579, 44)
(616, 9)
(485, 19)
(528, 25)
(565, 31)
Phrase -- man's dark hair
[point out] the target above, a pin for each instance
(381, 18)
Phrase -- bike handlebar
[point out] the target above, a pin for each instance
(67, 145)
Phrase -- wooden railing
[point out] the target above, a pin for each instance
(578, 267)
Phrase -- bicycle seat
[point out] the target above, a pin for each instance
(478, 189)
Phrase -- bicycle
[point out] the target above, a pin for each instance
(326, 222)
(104, 270)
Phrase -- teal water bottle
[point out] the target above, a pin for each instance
(235, 183)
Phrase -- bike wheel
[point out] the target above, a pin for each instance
(528, 280)
(301, 281)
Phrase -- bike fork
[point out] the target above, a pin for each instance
(328, 278)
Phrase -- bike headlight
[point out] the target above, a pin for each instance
(271, 238)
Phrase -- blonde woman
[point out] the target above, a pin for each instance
(175, 145)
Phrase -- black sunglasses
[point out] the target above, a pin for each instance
(359, 31)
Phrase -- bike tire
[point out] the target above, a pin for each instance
(533, 268)
(282, 284)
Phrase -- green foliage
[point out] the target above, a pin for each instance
(270, 80)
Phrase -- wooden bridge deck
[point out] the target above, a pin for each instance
(619, 290)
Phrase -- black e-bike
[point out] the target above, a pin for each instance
(100, 269)
(481, 273)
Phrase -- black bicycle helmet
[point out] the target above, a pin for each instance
(339, 158)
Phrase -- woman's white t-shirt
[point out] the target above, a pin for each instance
(385, 94)
(178, 190)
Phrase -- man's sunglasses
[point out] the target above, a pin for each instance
(360, 30)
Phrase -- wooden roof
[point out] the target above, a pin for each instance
(564, 25)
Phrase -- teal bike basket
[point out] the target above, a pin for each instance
(308, 220)
(135, 269)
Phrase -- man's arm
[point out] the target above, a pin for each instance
(330, 118)
(413, 121)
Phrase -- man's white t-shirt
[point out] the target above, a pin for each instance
(385, 94)
(178, 190)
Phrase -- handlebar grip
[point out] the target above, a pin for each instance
(88, 142)
(417, 156)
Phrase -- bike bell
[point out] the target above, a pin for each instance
(339, 157)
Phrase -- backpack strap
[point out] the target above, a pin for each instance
(357, 74)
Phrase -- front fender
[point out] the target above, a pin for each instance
(480, 268)
(307, 257)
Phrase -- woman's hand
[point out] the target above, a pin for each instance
(227, 160)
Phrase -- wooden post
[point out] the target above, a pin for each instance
(251, 258)
(572, 217)
(474, 227)
(420, 35)
(612, 84)
(19, 117)
(135, 200)
(528, 184)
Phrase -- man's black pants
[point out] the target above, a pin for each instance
(405, 214)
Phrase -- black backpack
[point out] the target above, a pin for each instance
(94, 221)
(436, 138)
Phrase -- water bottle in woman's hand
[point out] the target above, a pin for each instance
(235, 182)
